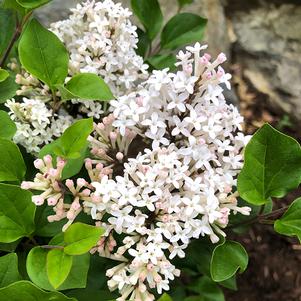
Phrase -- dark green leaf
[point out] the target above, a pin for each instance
(9, 269)
(150, 15)
(143, 43)
(88, 294)
(7, 126)
(16, 213)
(12, 166)
(14, 5)
(7, 25)
(32, 4)
(272, 166)
(58, 266)
(81, 238)
(165, 297)
(8, 88)
(9, 247)
(230, 283)
(290, 223)
(227, 259)
(36, 269)
(86, 86)
(26, 291)
(182, 29)
(161, 61)
(50, 63)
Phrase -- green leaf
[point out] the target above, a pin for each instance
(227, 259)
(8, 88)
(143, 42)
(7, 126)
(182, 29)
(50, 63)
(43, 227)
(32, 4)
(7, 25)
(10, 247)
(58, 266)
(74, 140)
(290, 223)
(16, 213)
(184, 2)
(165, 297)
(81, 238)
(26, 291)
(12, 166)
(36, 268)
(207, 289)
(87, 86)
(15, 6)
(161, 61)
(88, 294)
(230, 283)
(150, 15)
(9, 269)
(3, 75)
(272, 166)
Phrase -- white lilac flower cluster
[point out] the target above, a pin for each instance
(179, 188)
(100, 39)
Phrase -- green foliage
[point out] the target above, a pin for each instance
(71, 144)
(272, 166)
(150, 15)
(80, 238)
(290, 223)
(86, 86)
(16, 213)
(36, 266)
(165, 297)
(161, 61)
(12, 166)
(32, 4)
(143, 43)
(26, 291)
(50, 63)
(182, 29)
(7, 126)
(8, 88)
(227, 259)
(3, 75)
(58, 266)
(7, 25)
(14, 5)
(9, 269)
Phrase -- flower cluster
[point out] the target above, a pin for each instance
(100, 39)
(162, 170)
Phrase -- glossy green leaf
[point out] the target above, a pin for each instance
(272, 166)
(165, 297)
(7, 126)
(32, 4)
(8, 88)
(290, 223)
(74, 140)
(9, 269)
(14, 6)
(58, 266)
(149, 14)
(26, 291)
(162, 61)
(16, 213)
(36, 268)
(182, 29)
(3, 75)
(86, 86)
(207, 290)
(12, 166)
(50, 63)
(7, 25)
(143, 43)
(81, 238)
(227, 259)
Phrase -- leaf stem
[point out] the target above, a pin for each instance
(15, 37)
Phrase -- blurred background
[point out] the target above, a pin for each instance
(262, 39)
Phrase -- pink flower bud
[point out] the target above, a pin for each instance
(119, 156)
(52, 201)
(47, 159)
(113, 136)
(81, 182)
(221, 58)
(25, 185)
(38, 163)
(69, 183)
(38, 200)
